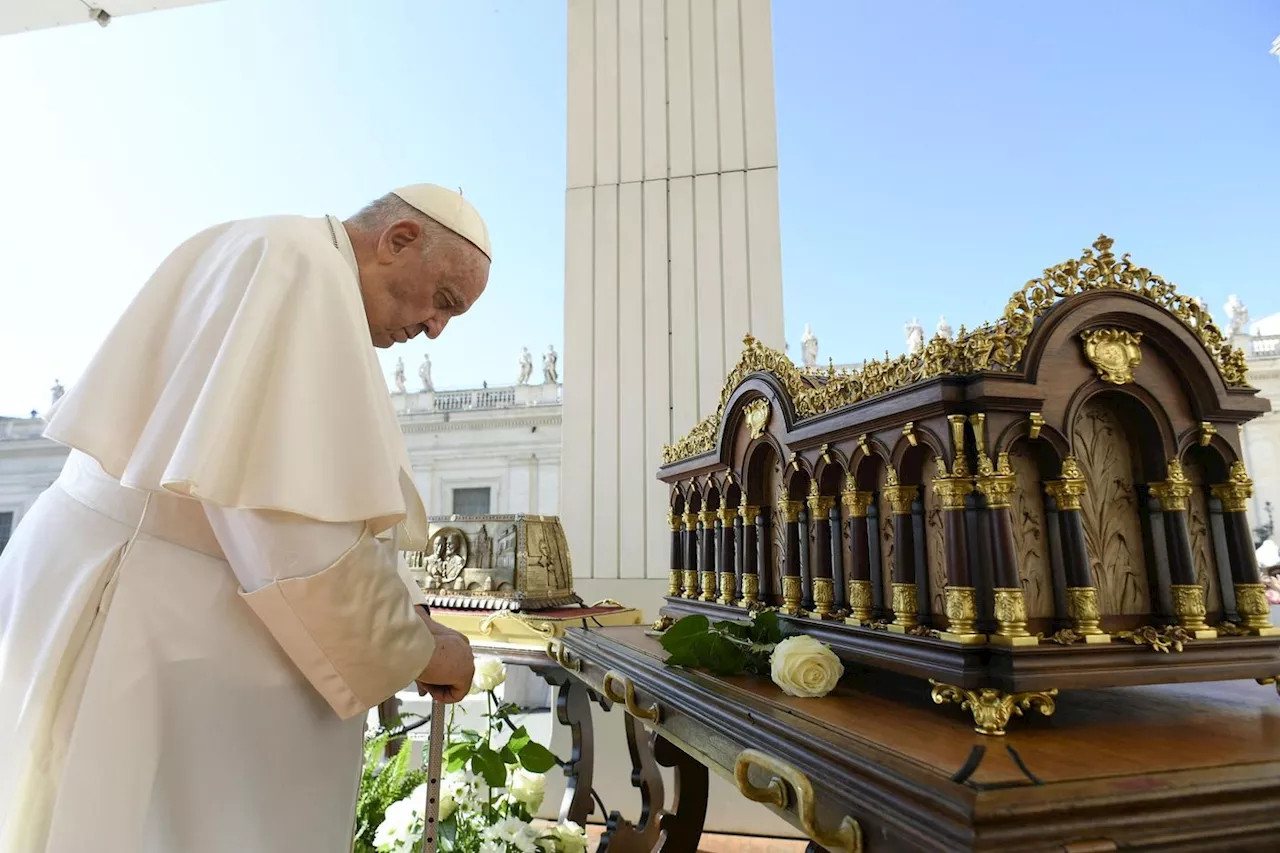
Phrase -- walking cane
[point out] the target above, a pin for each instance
(435, 757)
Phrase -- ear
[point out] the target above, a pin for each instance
(399, 236)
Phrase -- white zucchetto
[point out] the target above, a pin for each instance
(451, 210)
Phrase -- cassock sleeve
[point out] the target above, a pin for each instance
(242, 376)
(333, 598)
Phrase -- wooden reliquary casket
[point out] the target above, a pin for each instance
(495, 562)
(1054, 500)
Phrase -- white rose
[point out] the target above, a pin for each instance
(804, 667)
(490, 672)
(400, 822)
(569, 837)
(528, 788)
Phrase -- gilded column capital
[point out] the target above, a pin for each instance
(727, 514)
(856, 503)
(820, 505)
(1068, 491)
(996, 482)
(690, 521)
(1236, 491)
(953, 491)
(900, 497)
(748, 514)
(708, 518)
(673, 521)
(1175, 492)
(790, 510)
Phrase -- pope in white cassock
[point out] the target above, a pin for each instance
(197, 616)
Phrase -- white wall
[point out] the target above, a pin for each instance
(672, 250)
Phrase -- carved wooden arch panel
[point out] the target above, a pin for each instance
(1153, 459)
(1109, 508)
(778, 422)
(1160, 331)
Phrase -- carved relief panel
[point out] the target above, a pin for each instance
(1030, 540)
(935, 548)
(1202, 556)
(1109, 509)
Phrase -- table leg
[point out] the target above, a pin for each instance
(677, 829)
(682, 825)
(621, 835)
(573, 709)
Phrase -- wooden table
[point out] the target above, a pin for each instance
(876, 766)
(521, 640)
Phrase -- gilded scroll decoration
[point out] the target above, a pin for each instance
(1114, 353)
(997, 347)
(992, 709)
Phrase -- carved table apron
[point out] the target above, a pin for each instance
(877, 767)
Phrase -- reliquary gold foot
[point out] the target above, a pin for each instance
(992, 709)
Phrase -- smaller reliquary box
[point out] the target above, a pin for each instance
(1055, 500)
(495, 562)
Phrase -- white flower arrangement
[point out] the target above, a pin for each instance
(489, 792)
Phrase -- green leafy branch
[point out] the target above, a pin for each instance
(725, 648)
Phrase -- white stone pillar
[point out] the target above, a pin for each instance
(672, 250)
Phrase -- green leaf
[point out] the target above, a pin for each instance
(489, 764)
(684, 632)
(519, 740)
(765, 628)
(508, 757)
(741, 630)
(722, 657)
(536, 758)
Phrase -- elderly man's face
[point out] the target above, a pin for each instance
(407, 292)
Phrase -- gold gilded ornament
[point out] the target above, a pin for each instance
(728, 584)
(860, 602)
(1114, 353)
(1067, 491)
(995, 347)
(1082, 607)
(1175, 492)
(992, 709)
(1236, 492)
(792, 595)
(962, 613)
(673, 584)
(1207, 432)
(750, 591)
(1188, 606)
(757, 415)
(1037, 424)
(690, 583)
(708, 586)
(906, 608)
(1011, 618)
(1252, 605)
(824, 598)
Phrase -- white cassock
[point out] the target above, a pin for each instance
(196, 617)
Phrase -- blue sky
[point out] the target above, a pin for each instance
(934, 155)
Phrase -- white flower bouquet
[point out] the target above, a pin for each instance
(493, 785)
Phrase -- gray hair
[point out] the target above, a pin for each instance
(385, 211)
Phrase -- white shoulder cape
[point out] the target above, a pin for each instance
(242, 374)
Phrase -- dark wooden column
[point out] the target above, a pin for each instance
(1174, 495)
(1082, 594)
(997, 485)
(823, 580)
(1251, 596)
(726, 531)
(905, 602)
(677, 556)
(960, 595)
(861, 595)
(792, 585)
(707, 555)
(802, 552)
(840, 576)
(749, 560)
(764, 548)
(690, 555)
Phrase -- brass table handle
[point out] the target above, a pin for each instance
(627, 698)
(555, 651)
(849, 835)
